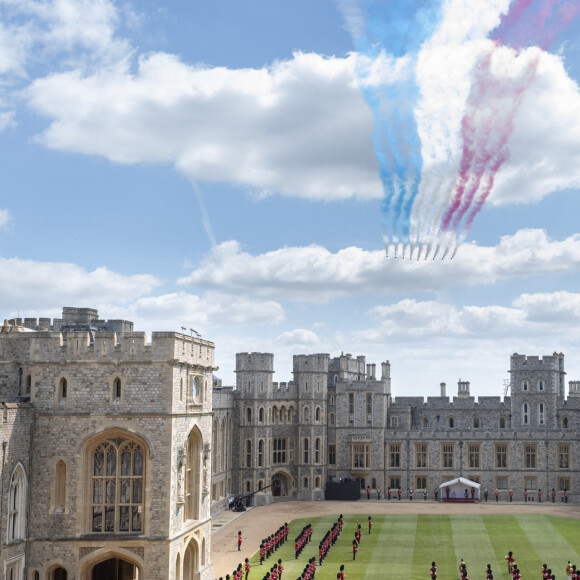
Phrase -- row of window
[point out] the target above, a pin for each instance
(474, 455)
(279, 455)
(360, 456)
(283, 416)
(502, 483)
(501, 422)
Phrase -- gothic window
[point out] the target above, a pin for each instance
(290, 414)
(530, 453)
(525, 385)
(540, 413)
(565, 423)
(502, 423)
(540, 385)
(260, 452)
(117, 486)
(332, 454)
(369, 401)
(275, 415)
(60, 488)
(447, 456)
(501, 456)
(474, 456)
(283, 414)
(117, 388)
(261, 415)
(525, 414)
(248, 453)
(420, 455)
(305, 483)
(305, 450)
(317, 483)
(317, 414)
(332, 418)
(317, 451)
(351, 408)
(425, 422)
(451, 422)
(564, 456)
(63, 389)
(193, 474)
(279, 455)
(476, 422)
(395, 455)
(17, 504)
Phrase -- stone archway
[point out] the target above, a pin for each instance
(280, 485)
(114, 569)
(191, 561)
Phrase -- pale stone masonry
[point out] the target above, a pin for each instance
(338, 419)
(106, 450)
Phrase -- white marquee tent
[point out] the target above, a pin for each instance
(457, 488)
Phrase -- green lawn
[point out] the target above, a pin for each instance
(402, 547)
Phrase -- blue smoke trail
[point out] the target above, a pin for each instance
(394, 29)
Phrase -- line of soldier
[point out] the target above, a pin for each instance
(271, 544)
(302, 539)
(329, 540)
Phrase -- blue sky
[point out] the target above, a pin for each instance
(210, 165)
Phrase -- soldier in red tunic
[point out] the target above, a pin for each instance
(247, 567)
(370, 524)
(354, 549)
(239, 541)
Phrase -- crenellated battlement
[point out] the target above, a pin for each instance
(102, 346)
(255, 361)
(311, 363)
(554, 361)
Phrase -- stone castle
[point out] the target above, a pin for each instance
(116, 453)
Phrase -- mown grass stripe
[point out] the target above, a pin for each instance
(472, 543)
(393, 553)
(506, 534)
(433, 543)
(546, 538)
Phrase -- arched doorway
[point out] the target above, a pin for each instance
(58, 574)
(280, 485)
(115, 569)
(190, 561)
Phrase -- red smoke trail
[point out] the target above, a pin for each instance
(493, 103)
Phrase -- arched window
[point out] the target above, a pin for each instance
(261, 415)
(317, 482)
(317, 414)
(260, 453)
(305, 483)
(525, 385)
(565, 423)
(332, 418)
(195, 390)
(502, 422)
(248, 453)
(17, 504)
(540, 413)
(317, 450)
(540, 385)
(476, 422)
(425, 422)
(451, 423)
(305, 449)
(260, 484)
(63, 389)
(60, 488)
(306, 415)
(248, 415)
(193, 470)
(290, 414)
(117, 486)
(525, 414)
(214, 447)
(117, 388)
(275, 414)
(283, 414)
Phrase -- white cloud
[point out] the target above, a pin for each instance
(315, 274)
(299, 127)
(299, 337)
(32, 284)
(5, 216)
